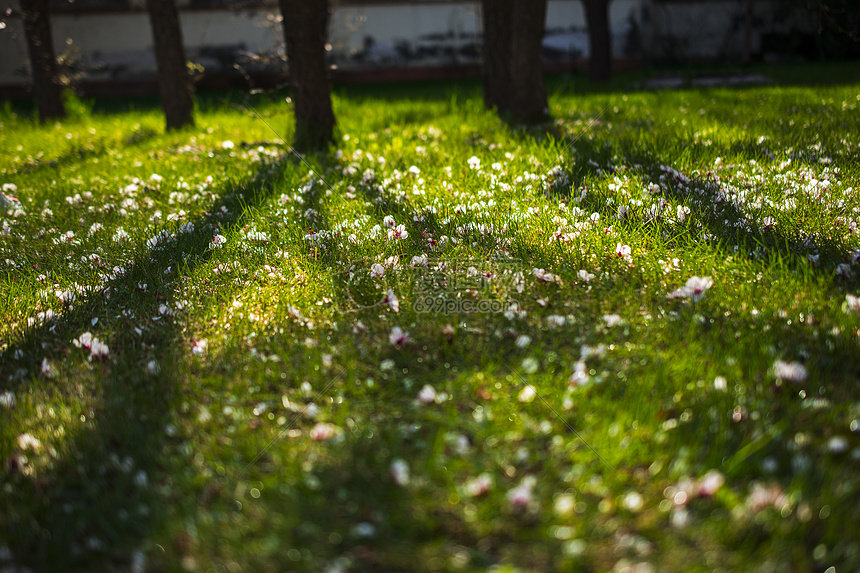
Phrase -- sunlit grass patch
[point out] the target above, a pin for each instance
(625, 337)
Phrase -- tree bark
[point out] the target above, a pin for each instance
(512, 63)
(46, 88)
(305, 31)
(600, 40)
(174, 83)
(528, 91)
(498, 29)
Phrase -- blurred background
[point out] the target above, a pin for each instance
(105, 47)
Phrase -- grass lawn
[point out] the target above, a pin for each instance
(627, 340)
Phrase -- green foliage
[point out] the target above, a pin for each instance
(76, 107)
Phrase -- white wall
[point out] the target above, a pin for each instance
(128, 35)
(125, 36)
(389, 23)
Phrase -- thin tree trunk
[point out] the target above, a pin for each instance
(512, 63)
(46, 89)
(305, 31)
(174, 83)
(600, 40)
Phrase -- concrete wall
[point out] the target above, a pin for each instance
(118, 45)
(124, 39)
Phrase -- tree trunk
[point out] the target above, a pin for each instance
(498, 30)
(46, 89)
(600, 40)
(528, 91)
(513, 68)
(305, 31)
(174, 83)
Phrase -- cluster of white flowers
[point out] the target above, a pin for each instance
(97, 348)
(694, 289)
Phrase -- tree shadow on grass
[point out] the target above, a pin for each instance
(339, 502)
(345, 503)
(96, 495)
(760, 431)
(349, 505)
(351, 485)
(715, 212)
